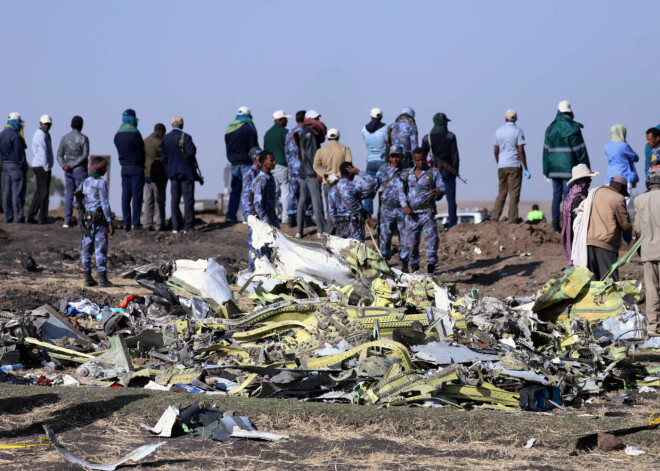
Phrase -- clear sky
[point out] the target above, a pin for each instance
(204, 59)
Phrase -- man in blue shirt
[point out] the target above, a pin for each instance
(391, 202)
(509, 150)
(264, 201)
(374, 134)
(653, 143)
(14, 168)
(248, 180)
(345, 201)
(424, 187)
(403, 132)
(42, 165)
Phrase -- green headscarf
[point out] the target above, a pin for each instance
(439, 124)
(618, 133)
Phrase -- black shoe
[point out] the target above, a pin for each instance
(89, 281)
(555, 226)
(31, 220)
(404, 266)
(127, 228)
(414, 268)
(292, 221)
(430, 268)
(103, 280)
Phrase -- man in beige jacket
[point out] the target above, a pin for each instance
(647, 223)
(326, 165)
(608, 220)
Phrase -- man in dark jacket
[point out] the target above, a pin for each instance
(155, 180)
(440, 143)
(73, 157)
(14, 167)
(308, 141)
(180, 170)
(564, 148)
(240, 137)
(130, 148)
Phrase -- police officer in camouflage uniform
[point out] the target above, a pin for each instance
(391, 201)
(345, 201)
(92, 195)
(248, 179)
(424, 186)
(293, 162)
(264, 202)
(403, 132)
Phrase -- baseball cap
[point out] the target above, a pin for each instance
(333, 133)
(511, 115)
(376, 113)
(312, 114)
(396, 149)
(46, 119)
(14, 115)
(255, 151)
(444, 117)
(177, 120)
(564, 106)
(621, 180)
(654, 175)
(244, 110)
(279, 114)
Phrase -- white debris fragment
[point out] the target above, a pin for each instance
(157, 387)
(646, 389)
(477, 250)
(508, 341)
(69, 380)
(164, 426)
(634, 451)
(530, 442)
(256, 435)
(443, 354)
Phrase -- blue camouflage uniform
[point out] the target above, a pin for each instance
(265, 201)
(293, 162)
(392, 201)
(404, 133)
(95, 200)
(348, 220)
(248, 179)
(423, 215)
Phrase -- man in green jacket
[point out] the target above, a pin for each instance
(274, 141)
(564, 148)
(155, 181)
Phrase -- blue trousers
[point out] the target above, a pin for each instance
(559, 192)
(372, 169)
(391, 219)
(450, 193)
(97, 242)
(237, 171)
(72, 180)
(415, 224)
(13, 179)
(187, 190)
(132, 191)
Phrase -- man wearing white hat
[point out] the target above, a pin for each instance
(42, 165)
(374, 134)
(563, 149)
(240, 137)
(14, 168)
(509, 150)
(327, 161)
(274, 140)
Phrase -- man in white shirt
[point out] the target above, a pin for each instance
(42, 165)
(509, 150)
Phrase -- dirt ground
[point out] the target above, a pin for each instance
(498, 259)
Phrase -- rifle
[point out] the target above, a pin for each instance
(192, 161)
(451, 170)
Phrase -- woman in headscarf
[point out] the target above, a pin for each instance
(621, 158)
(578, 188)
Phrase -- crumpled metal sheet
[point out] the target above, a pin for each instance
(444, 354)
(135, 455)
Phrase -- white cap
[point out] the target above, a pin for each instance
(46, 119)
(279, 114)
(312, 114)
(511, 115)
(14, 115)
(376, 113)
(564, 106)
(177, 120)
(244, 110)
(333, 133)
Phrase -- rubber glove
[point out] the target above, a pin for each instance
(527, 174)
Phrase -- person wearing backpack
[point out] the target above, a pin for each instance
(424, 186)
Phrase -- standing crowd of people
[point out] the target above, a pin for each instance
(297, 179)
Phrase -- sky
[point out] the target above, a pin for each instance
(204, 59)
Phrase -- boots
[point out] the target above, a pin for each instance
(292, 221)
(430, 268)
(555, 226)
(414, 268)
(103, 280)
(404, 266)
(89, 281)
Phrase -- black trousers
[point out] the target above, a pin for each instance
(600, 261)
(41, 194)
(186, 189)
